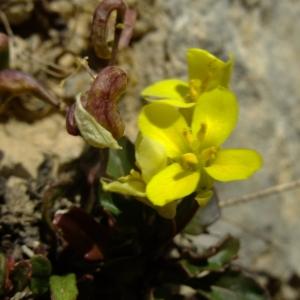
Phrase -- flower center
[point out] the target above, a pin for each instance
(189, 161)
(189, 138)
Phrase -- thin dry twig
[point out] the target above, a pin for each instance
(253, 232)
(260, 194)
(6, 25)
(48, 67)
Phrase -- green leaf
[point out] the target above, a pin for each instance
(41, 266)
(63, 287)
(225, 254)
(20, 275)
(234, 285)
(192, 269)
(41, 270)
(204, 217)
(215, 258)
(120, 162)
(39, 286)
(108, 203)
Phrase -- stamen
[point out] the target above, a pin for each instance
(187, 134)
(189, 160)
(195, 86)
(209, 155)
(202, 132)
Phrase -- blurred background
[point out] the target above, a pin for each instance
(263, 38)
(261, 35)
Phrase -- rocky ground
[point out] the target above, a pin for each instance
(261, 35)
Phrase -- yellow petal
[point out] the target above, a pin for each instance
(215, 117)
(170, 184)
(164, 124)
(211, 71)
(150, 157)
(130, 185)
(168, 211)
(176, 103)
(234, 164)
(171, 91)
(203, 197)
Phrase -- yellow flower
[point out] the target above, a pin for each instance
(206, 72)
(193, 151)
(135, 183)
(177, 158)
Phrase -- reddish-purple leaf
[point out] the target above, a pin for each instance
(6, 266)
(3, 42)
(14, 83)
(127, 32)
(101, 27)
(4, 50)
(71, 122)
(83, 234)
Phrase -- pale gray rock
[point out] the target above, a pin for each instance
(263, 37)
